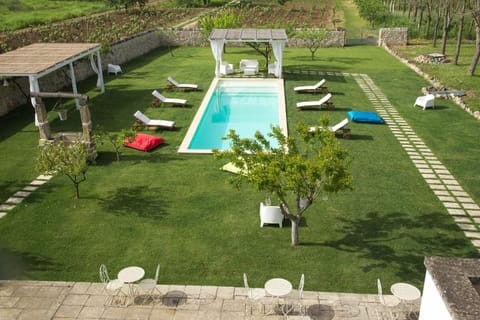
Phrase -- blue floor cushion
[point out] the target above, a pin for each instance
(364, 116)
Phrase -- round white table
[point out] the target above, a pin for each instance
(406, 293)
(278, 287)
(129, 275)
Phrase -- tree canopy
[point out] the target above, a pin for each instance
(297, 171)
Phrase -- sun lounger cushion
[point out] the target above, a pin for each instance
(144, 142)
(364, 117)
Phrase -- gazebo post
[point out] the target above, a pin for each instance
(100, 72)
(34, 87)
(74, 84)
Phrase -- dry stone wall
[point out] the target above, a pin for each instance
(393, 37)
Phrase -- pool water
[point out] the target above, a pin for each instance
(242, 105)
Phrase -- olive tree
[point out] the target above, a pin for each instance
(70, 160)
(313, 39)
(298, 171)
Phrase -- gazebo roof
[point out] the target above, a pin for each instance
(248, 35)
(41, 58)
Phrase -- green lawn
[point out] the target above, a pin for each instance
(178, 210)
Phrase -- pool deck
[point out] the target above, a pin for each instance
(41, 300)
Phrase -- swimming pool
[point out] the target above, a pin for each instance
(245, 105)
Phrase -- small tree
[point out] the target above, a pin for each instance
(70, 160)
(313, 39)
(297, 172)
(116, 139)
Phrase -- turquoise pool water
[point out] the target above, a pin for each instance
(242, 105)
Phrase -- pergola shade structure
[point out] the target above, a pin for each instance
(37, 60)
(276, 37)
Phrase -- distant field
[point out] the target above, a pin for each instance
(15, 14)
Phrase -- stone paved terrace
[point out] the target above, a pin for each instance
(38, 300)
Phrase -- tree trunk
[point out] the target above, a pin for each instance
(460, 32)
(476, 56)
(437, 24)
(295, 239)
(446, 27)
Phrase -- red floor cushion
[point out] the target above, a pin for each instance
(144, 142)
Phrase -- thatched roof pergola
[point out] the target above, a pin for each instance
(37, 60)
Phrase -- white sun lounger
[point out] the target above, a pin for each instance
(338, 128)
(181, 86)
(154, 123)
(164, 99)
(314, 88)
(318, 103)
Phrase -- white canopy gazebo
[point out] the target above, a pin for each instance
(276, 37)
(39, 59)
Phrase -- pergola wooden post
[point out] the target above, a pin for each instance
(85, 116)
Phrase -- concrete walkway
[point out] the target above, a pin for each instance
(41, 300)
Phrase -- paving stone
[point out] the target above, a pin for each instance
(225, 292)
(454, 187)
(15, 200)
(465, 200)
(8, 302)
(6, 207)
(470, 227)
(34, 314)
(477, 220)
(439, 166)
(162, 314)
(22, 194)
(91, 312)
(434, 184)
(460, 219)
(2, 214)
(419, 162)
(114, 313)
(443, 171)
(458, 212)
(30, 188)
(429, 176)
(52, 291)
(76, 299)
(460, 193)
(451, 205)
(138, 313)
(473, 206)
(422, 169)
(447, 177)
(80, 287)
(446, 198)
(414, 157)
(473, 212)
(26, 290)
(470, 234)
(441, 192)
(10, 313)
(44, 177)
(68, 311)
(38, 182)
(476, 243)
(28, 302)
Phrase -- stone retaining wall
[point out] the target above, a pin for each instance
(393, 37)
(120, 52)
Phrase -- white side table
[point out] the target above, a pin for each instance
(278, 288)
(129, 275)
(407, 293)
